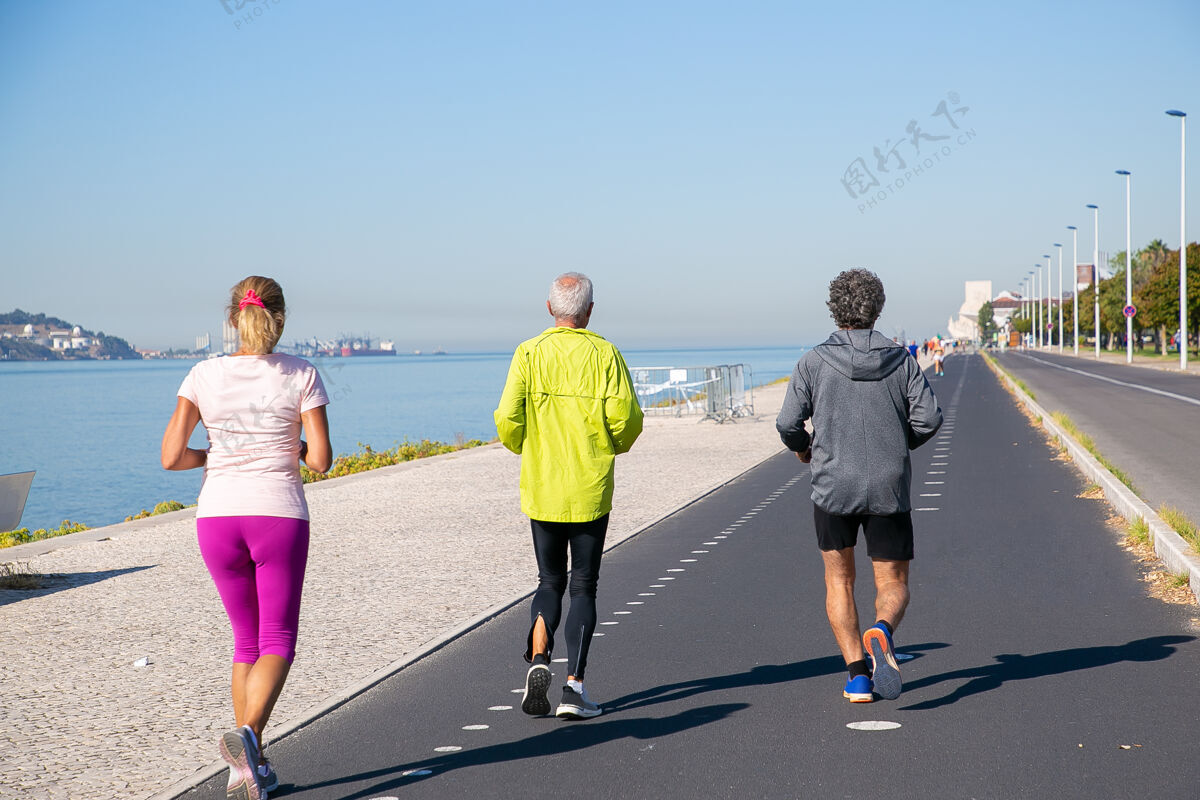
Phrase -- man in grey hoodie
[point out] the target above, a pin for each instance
(869, 404)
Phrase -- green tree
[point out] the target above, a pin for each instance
(987, 321)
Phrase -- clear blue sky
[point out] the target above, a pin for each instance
(422, 170)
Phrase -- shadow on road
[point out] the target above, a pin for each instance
(57, 582)
(1016, 667)
(562, 738)
(764, 675)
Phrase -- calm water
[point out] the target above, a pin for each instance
(92, 430)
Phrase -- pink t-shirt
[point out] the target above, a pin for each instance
(251, 407)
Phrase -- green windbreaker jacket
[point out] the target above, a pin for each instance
(568, 409)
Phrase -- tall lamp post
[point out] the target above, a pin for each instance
(1096, 272)
(1183, 329)
(1037, 306)
(1049, 311)
(1075, 281)
(1060, 297)
(1029, 305)
(1128, 272)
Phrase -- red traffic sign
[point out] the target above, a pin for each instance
(1129, 310)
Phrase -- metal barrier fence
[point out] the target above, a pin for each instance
(720, 393)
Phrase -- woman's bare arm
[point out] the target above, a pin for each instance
(317, 452)
(176, 454)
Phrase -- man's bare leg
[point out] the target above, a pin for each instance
(839, 602)
(891, 590)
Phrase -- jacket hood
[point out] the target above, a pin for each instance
(862, 355)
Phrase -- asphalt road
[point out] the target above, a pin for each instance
(1036, 656)
(1146, 421)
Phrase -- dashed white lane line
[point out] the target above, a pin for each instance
(677, 569)
(699, 551)
(646, 594)
(666, 579)
(409, 773)
(658, 586)
(597, 634)
(915, 509)
(935, 483)
(936, 472)
(450, 748)
(499, 708)
(475, 727)
(687, 560)
(710, 544)
(873, 725)
(940, 464)
(932, 494)
(622, 612)
(610, 622)
(559, 660)
(637, 602)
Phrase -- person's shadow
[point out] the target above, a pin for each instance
(765, 675)
(562, 738)
(1016, 667)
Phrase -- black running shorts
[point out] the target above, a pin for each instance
(888, 537)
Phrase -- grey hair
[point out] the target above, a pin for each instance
(570, 296)
(856, 299)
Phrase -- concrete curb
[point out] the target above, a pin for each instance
(1175, 552)
(339, 699)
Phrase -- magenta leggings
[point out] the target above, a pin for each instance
(258, 566)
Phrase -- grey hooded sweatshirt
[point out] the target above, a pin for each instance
(869, 404)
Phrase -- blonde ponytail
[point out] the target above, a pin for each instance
(258, 311)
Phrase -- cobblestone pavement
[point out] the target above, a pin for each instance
(398, 557)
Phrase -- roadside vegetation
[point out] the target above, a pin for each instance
(1181, 525)
(367, 458)
(23, 535)
(20, 576)
(1070, 427)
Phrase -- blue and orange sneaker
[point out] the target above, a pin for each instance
(858, 690)
(885, 672)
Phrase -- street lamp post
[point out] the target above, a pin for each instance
(1128, 272)
(1060, 298)
(1029, 306)
(1096, 272)
(1049, 311)
(1183, 330)
(1075, 281)
(1037, 307)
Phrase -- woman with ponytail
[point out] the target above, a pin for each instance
(252, 517)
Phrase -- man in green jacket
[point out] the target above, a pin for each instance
(568, 409)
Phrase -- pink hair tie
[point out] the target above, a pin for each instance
(251, 299)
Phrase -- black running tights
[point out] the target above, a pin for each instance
(550, 543)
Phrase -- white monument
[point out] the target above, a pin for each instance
(966, 324)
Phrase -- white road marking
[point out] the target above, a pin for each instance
(677, 569)
(658, 586)
(476, 727)
(932, 494)
(646, 594)
(915, 509)
(666, 579)
(636, 602)
(409, 773)
(873, 725)
(904, 656)
(517, 691)
(450, 748)
(622, 612)
(687, 560)
(936, 472)
(934, 483)
(610, 623)
(699, 551)
(499, 708)
(710, 544)
(559, 661)
(1149, 389)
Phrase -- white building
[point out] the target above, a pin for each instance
(966, 324)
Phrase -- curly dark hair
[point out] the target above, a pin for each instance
(856, 299)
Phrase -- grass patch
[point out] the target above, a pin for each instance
(164, 507)
(1181, 525)
(23, 535)
(1071, 428)
(1180, 580)
(1138, 532)
(1024, 388)
(20, 576)
(367, 459)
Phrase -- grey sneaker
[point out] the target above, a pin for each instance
(241, 754)
(267, 778)
(576, 705)
(535, 701)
